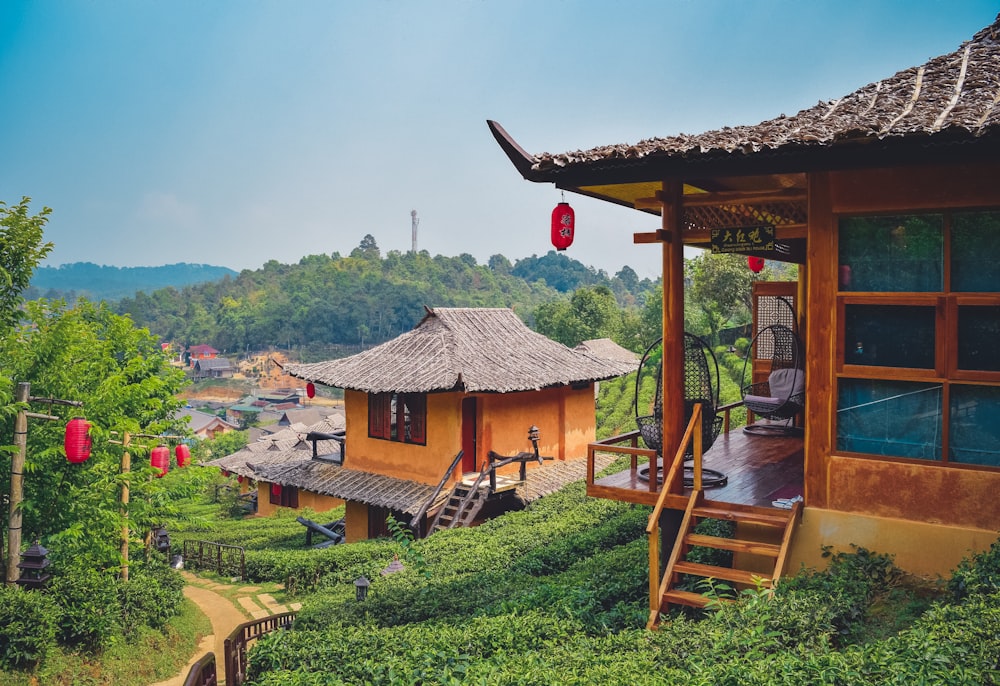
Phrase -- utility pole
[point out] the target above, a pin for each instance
(22, 395)
(415, 223)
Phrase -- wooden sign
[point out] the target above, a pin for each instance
(744, 240)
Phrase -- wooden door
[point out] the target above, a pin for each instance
(468, 435)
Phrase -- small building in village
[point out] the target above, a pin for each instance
(203, 424)
(888, 201)
(447, 401)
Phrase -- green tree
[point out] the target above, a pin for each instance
(590, 313)
(719, 293)
(21, 249)
(85, 352)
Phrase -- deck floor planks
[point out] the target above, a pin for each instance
(757, 466)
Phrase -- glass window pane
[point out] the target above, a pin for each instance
(975, 425)
(892, 418)
(975, 252)
(899, 254)
(979, 338)
(889, 335)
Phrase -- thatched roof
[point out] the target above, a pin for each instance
(409, 496)
(469, 349)
(609, 350)
(286, 446)
(335, 480)
(952, 99)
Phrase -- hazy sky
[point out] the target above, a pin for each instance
(233, 132)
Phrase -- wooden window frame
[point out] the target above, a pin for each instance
(387, 417)
(946, 370)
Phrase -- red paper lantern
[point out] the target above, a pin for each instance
(756, 264)
(225, 473)
(563, 224)
(311, 390)
(183, 455)
(77, 440)
(239, 479)
(276, 490)
(159, 459)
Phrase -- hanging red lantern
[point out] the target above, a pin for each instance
(276, 490)
(756, 264)
(239, 479)
(311, 390)
(225, 473)
(159, 459)
(77, 440)
(183, 455)
(563, 225)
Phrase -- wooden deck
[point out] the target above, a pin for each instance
(760, 469)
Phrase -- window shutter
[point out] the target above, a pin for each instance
(417, 404)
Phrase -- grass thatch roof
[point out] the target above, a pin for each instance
(467, 349)
(951, 99)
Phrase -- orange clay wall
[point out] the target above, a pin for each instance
(307, 500)
(423, 463)
(564, 416)
(356, 521)
(881, 490)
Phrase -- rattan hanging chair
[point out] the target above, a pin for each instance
(783, 395)
(701, 386)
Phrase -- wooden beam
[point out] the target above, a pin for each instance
(743, 198)
(654, 203)
(658, 236)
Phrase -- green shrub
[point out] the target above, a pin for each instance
(28, 623)
(152, 595)
(977, 575)
(88, 602)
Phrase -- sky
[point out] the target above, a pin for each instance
(234, 132)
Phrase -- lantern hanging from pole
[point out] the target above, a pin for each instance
(183, 455)
(311, 390)
(756, 264)
(159, 459)
(563, 225)
(77, 440)
(276, 490)
(239, 479)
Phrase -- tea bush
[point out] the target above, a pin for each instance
(88, 600)
(28, 625)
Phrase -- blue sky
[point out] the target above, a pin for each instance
(234, 132)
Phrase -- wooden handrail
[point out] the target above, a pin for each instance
(415, 522)
(725, 410)
(202, 672)
(235, 645)
(689, 433)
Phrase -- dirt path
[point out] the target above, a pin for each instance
(224, 616)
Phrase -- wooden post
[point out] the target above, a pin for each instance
(126, 468)
(673, 320)
(17, 483)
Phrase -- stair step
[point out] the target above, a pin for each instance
(778, 518)
(678, 597)
(734, 544)
(737, 576)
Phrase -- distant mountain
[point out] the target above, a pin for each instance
(99, 282)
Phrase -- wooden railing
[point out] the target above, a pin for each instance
(202, 672)
(415, 522)
(671, 484)
(221, 558)
(236, 644)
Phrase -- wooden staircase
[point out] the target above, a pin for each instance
(762, 540)
(461, 507)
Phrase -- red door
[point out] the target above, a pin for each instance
(468, 435)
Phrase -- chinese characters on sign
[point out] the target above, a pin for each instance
(743, 240)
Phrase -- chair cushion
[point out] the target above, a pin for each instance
(785, 383)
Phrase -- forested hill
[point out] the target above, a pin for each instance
(101, 282)
(363, 298)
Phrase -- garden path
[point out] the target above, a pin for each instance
(213, 599)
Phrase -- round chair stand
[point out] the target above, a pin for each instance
(773, 430)
(710, 478)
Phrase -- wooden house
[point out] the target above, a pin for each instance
(200, 352)
(203, 424)
(451, 398)
(888, 199)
